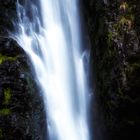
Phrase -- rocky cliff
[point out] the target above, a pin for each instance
(114, 31)
(22, 114)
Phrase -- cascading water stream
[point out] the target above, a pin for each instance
(49, 32)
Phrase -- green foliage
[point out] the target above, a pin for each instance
(123, 21)
(110, 38)
(126, 21)
(4, 58)
(122, 24)
(7, 95)
(128, 17)
(5, 112)
(124, 6)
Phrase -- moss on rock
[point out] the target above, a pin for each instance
(5, 112)
(21, 107)
(115, 59)
(4, 58)
(7, 96)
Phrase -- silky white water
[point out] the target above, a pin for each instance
(49, 32)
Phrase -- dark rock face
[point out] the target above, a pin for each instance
(22, 114)
(115, 59)
(114, 30)
(21, 107)
(7, 14)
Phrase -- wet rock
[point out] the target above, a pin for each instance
(7, 16)
(22, 114)
(115, 68)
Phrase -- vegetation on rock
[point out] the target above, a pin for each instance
(114, 31)
(7, 96)
(21, 106)
(115, 58)
(5, 111)
(7, 58)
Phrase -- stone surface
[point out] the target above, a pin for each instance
(115, 63)
(22, 114)
(114, 31)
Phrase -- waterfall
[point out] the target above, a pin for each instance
(49, 32)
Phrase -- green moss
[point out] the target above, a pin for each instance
(110, 38)
(5, 112)
(1, 135)
(123, 21)
(7, 95)
(116, 27)
(126, 20)
(123, 24)
(4, 58)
